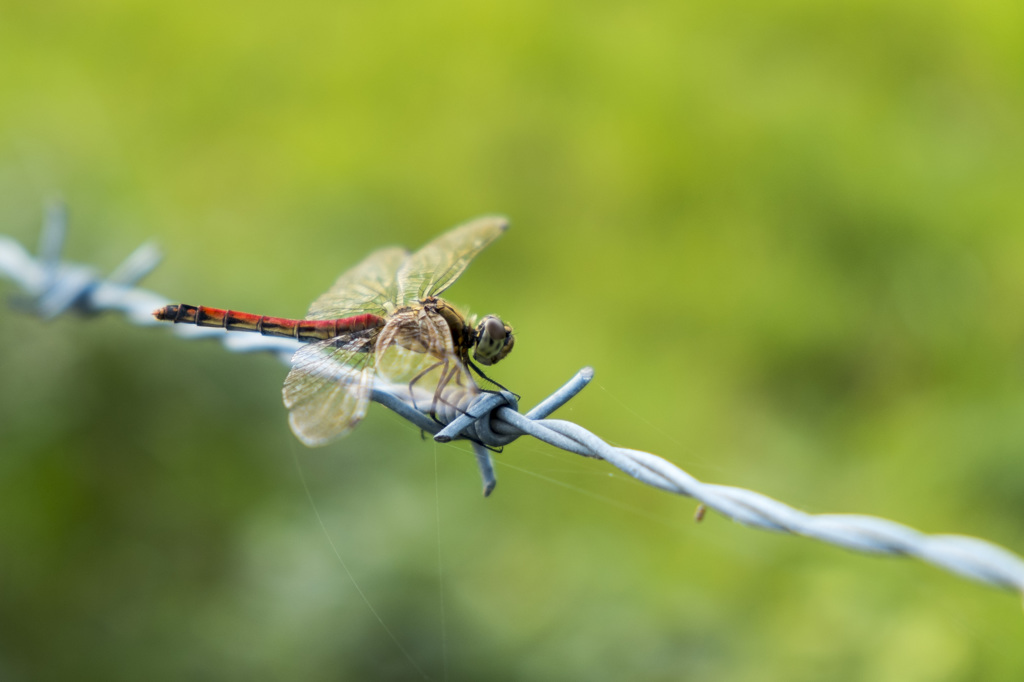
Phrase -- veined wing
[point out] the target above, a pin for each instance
(433, 268)
(364, 288)
(328, 387)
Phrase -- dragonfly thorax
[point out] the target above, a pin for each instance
(490, 341)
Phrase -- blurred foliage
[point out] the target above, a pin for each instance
(788, 236)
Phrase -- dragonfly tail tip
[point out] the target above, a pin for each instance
(165, 313)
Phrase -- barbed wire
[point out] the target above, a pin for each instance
(51, 287)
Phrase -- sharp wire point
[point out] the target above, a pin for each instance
(52, 235)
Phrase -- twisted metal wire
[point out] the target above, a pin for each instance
(52, 287)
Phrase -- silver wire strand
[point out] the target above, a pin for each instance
(52, 287)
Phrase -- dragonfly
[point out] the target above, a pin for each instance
(381, 325)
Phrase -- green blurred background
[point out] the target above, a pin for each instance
(788, 236)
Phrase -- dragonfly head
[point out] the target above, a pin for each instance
(494, 340)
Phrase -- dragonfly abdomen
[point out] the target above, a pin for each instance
(232, 320)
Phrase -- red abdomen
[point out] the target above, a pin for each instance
(232, 320)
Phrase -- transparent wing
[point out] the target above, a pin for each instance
(329, 386)
(433, 268)
(365, 288)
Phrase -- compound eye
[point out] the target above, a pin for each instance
(494, 329)
(491, 338)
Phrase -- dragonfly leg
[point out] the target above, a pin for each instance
(491, 381)
(447, 373)
(418, 377)
(482, 459)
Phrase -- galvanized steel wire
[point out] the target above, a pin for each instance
(51, 287)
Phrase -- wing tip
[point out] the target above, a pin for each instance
(498, 221)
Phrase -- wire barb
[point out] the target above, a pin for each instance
(52, 287)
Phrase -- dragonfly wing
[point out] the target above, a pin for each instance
(365, 288)
(433, 268)
(329, 387)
